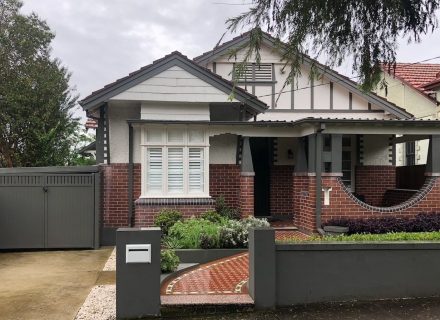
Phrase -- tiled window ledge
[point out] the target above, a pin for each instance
(174, 201)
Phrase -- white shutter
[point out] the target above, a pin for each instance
(175, 170)
(154, 170)
(195, 171)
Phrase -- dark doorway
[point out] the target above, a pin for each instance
(261, 150)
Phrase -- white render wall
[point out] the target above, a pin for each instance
(175, 111)
(223, 149)
(376, 150)
(118, 116)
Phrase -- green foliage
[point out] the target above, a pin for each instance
(392, 236)
(224, 210)
(190, 231)
(171, 243)
(212, 216)
(169, 261)
(365, 30)
(235, 234)
(166, 219)
(208, 241)
(37, 127)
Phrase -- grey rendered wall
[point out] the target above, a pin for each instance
(308, 273)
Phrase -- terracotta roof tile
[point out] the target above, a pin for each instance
(91, 124)
(416, 75)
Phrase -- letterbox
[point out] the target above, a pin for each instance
(138, 253)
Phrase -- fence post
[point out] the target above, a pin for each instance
(262, 268)
(137, 280)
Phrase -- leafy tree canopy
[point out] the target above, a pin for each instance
(36, 123)
(366, 30)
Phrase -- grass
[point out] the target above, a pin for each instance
(364, 237)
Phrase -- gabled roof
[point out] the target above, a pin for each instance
(416, 75)
(332, 75)
(175, 58)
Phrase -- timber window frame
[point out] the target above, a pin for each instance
(175, 162)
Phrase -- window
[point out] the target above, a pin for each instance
(410, 153)
(347, 162)
(254, 73)
(174, 163)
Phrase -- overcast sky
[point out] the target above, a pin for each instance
(102, 40)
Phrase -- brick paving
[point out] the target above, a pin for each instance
(224, 276)
(227, 276)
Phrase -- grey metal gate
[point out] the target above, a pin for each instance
(54, 207)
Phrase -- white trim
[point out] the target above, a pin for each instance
(165, 145)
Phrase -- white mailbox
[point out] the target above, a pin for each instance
(138, 253)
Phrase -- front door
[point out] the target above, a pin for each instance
(261, 150)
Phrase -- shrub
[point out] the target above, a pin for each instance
(169, 261)
(235, 234)
(423, 222)
(171, 243)
(188, 233)
(166, 219)
(224, 210)
(212, 216)
(208, 241)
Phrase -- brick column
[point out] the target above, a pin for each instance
(246, 202)
(304, 195)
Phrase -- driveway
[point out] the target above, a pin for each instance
(47, 285)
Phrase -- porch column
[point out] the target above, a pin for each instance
(433, 161)
(247, 175)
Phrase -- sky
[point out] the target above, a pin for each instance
(100, 41)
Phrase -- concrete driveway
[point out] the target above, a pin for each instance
(47, 285)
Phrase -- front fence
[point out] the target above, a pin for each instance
(291, 274)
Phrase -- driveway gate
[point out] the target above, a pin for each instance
(54, 207)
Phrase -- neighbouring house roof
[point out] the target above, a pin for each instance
(416, 75)
(88, 148)
(91, 124)
(332, 75)
(175, 58)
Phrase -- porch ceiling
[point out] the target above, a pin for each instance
(309, 126)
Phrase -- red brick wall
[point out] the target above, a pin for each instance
(246, 196)
(303, 191)
(373, 181)
(114, 193)
(144, 214)
(224, 179)
(343, 205)
(281, 185)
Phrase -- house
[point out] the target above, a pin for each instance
(171, 135)
(406, 87)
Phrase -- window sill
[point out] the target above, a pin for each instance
(175, 201)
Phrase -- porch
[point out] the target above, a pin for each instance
(273, 169)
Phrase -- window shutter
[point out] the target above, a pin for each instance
(175, 170)
(195, 176)
(154, 170)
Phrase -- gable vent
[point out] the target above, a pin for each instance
(255, 73)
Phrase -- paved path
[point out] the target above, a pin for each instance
(213, 282)
(47, 284)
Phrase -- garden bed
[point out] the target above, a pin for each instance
(205, 255)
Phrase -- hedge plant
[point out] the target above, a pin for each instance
(166, 219)
(169, 261)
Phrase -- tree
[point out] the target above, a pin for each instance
(37, 127)
(366, 30)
